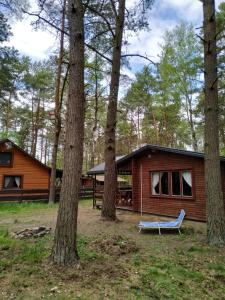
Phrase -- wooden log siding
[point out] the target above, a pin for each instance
(36, 194)
(34, 175)
(35, 179)
(165, 205)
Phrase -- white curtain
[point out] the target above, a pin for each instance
(17, 180)
(155, 181)
(187, 177)
(7, 181)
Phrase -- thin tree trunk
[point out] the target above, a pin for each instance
(64, 249)
(52, 190)
(46, 150)
(214, 196)
(193, 134)
(7, 119)
(42, 144)
(138, 126)
(110, 184)
(32, 124)
(36, 126)
(95, 127)
(191, 122)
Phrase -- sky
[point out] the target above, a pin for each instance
(164, 15)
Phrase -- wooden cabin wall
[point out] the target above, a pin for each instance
(34, 176)
(166, 205)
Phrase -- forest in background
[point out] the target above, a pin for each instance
(163, 105)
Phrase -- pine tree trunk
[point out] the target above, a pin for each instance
(191, 122)
(52, 191)
(214, 195)
(36, 129)
(8, 111)
(95, 127)
(42, 144)
(32, 124)
(193, 134)
(46, 150)
(64, 249)
(110, 184)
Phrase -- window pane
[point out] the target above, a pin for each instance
(164, 183)
(5, 158)
(12, 182)
(187, 183)
(175, 183)
(155, 183)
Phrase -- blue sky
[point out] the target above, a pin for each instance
(165, 14)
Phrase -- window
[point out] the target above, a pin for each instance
(155, 183)
(5, 158)
(160, 183)
(172, 183)
(186, 183)
(12, 182)
(176, 183)
(164, 183)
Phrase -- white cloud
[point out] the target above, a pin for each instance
(165, 14)
(37, 44)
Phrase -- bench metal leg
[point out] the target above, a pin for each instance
(139, 230)
(179, 231)
(159, 231)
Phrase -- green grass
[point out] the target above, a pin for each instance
(116, 264)
(85, 202)
(7, 208)
(83, 251)
(30, 251)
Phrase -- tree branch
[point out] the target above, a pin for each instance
(214, 82)
(113, 8)
(63, 86)
(45, 20)
(103, 17)
(139, 55)
(204, 41)
(99, 53)
(99, 34)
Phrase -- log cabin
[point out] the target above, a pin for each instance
(22, 177)
(164, 180)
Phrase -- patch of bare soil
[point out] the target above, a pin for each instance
(113, 253)
(116, 245)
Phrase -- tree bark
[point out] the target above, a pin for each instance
(193, 134)
(36, 127)
(8, 111)
(110, 184)
(189, 111)
(64, 250)
(52, 192)
(214, 196)
(95, 127)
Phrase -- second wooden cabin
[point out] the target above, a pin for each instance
(165, 180)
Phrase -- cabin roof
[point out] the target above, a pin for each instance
(99, 169)
(2, 141)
